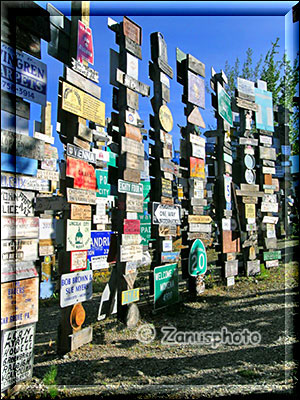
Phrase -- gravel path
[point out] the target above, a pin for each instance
(116, 362)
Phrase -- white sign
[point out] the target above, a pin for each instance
(128, 240)
(78, 235)
(198, 151)
(101, 155)
(245, 86)
(226, 224)
(14, 250)
(99, 262)
(47, 228)
(24, 182)
(266, 139)
(200, 141)
(76, 287)
(132, 66)
(269, 207)
(227, 188)
(17, 202)
(165, 214)
(131, 253)
(167, 245)
(200, 228)
(19, 227)
(270, 220)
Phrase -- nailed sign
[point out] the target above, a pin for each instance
(165, 285)
(22, 145)
(24, 294)
(132, 146)
(264, 115)
(97, 255)
(132, 252)
(16, 181)
(81, 196)
(131, 227)
(82, 104)
(165, 118)
(197, 168)
(17, 202)
(81, 154)
(19, 227)
(23, 75)
(197, 259)
(224, 104)
(78, 235)
(85, 50)
(78, 260)
(196, 90)
(132, 30)
(82, 172)
(17, 355)
(102, 183)
(76, 287)
(165, 214)
(130, 187)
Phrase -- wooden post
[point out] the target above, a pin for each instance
(196, 224)
(126, 130)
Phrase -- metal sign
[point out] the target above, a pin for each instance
(165, 285)
(97, 255)
(19, 343)
(130, 296)
(82, 172)
(197, 259)
(130, 187)
(196, 118)
(23, 75)
(165, 118)
(245, 86)
(197, 168)
(227, 188)
(85, 50)
(264, 115)
(24, 294)
(85, 70)
(165, 214)
(82, 104)
(81, 154)
(132, 252)
(78, 235)
(102, 183)
(131, 227)
(196, 90)
(224, 104)
(76, 287)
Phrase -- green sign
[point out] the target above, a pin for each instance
(112, 158)
(197, 259)
(130, 187)
(145, 221)
(146, 191)
(102, 183)
(165, 285)
(272, 255)
(224, 105)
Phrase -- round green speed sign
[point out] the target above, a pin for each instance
(197, 259)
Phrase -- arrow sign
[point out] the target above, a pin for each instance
(197, 259)
(165, 214)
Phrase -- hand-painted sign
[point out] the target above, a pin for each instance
(130, 296)
(165, 285)
(264, 115)
(47, 228)
(165, 214)
(19, 227)
(17, 355)
(81, 212)
(165, 118)
(85, 50)
(224, 105)
(19, 302)
(131, 227)
(132, 30)
(132, 252)
(81, 196)
(196, 90)
(22, 145)
(76, 287)
(14, 250)
(82, 172)
(197, 259)
(78, 235)
(23, 75)
(82, 104)
(17, 202)
(78, 260)
(97, 255)
(17, 270)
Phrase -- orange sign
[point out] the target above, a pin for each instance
(82, 172)
(197, 168)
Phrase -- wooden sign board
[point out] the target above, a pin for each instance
(18, 250)
(81, 143)
(133, 132)
(81, 154)
(200, 228)
(231, 268)
(196, 90)
(22, 145)
(198, 140)
(268, 170)
(132, 252)
(268, 140)
(248, 141)
(269, 207)
(82, 83)
(80, 103)
(267, 153)
(17, 181)
(272, 263)
(81, 212)
(16, 270)
(246, 104)
(229, 245)
(134, 203)
(24, 294)
(166, 188)
(76, 287)
(167, 230)
(132, 83)
(47, 175)
(78, 235)
(195, 65)
(132, 146)
(253, 267)
(17, 202)
(19, 227)
(85, 70)
(250, 211)
(19, 367)
(199, 219)
(132, 161)
(270, 220)
(128, 240)
(132, 30)
(132, 175)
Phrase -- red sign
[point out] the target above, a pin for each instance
(82, 172)
(85, 49)
(132, 226)
(197, 168)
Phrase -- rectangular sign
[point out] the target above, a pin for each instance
(82, 172)
(82, 104)
(132, 252)
(132, 83)
(133, 161)
(81, 212)
(102, 183)
(76, 287)
(128, 240)
(197, 168)
(47, 175)
(78, 235)
(196, 90)
(17, 202)
(47, 228)
(16, 355)
(165, 285)
(85, 49)
(81, 196)
(165, 214)
(22, 145)
(16, 181)
(97, 254)
(198, 151)
(264, 115)
(250, 211)
(130, 187)
(17, 250)
(130, 296)
(17, 270)
(23, 75)
(19, 227)
(224, 104)
(131, 227)
(269, 207)
(81, 154)
(132, 146)
(200, 228)
(24, 294)
(78, 260)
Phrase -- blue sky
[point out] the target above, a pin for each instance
(212, 39)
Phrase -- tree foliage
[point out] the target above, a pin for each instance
(282, 79)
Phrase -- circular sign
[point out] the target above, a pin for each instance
(250, 176)
(77, 316)
(249, 161)
(197, 259)
(165, 118)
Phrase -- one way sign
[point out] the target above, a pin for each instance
(165, 214)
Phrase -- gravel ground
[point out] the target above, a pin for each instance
(116, 362)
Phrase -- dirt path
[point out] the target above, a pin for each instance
(117, 362)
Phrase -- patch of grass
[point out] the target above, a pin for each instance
(50, 380)
(264, 273)
(248, 373)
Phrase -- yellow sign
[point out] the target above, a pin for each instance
(82, 104)
(250, 210)
(165, 118)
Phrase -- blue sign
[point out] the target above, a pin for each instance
(264, 115)
(23, 75)
(100, 242)
(11, 163)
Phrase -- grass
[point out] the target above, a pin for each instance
(248, 373)
(50, 380)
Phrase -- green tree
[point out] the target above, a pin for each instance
(282, 80)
